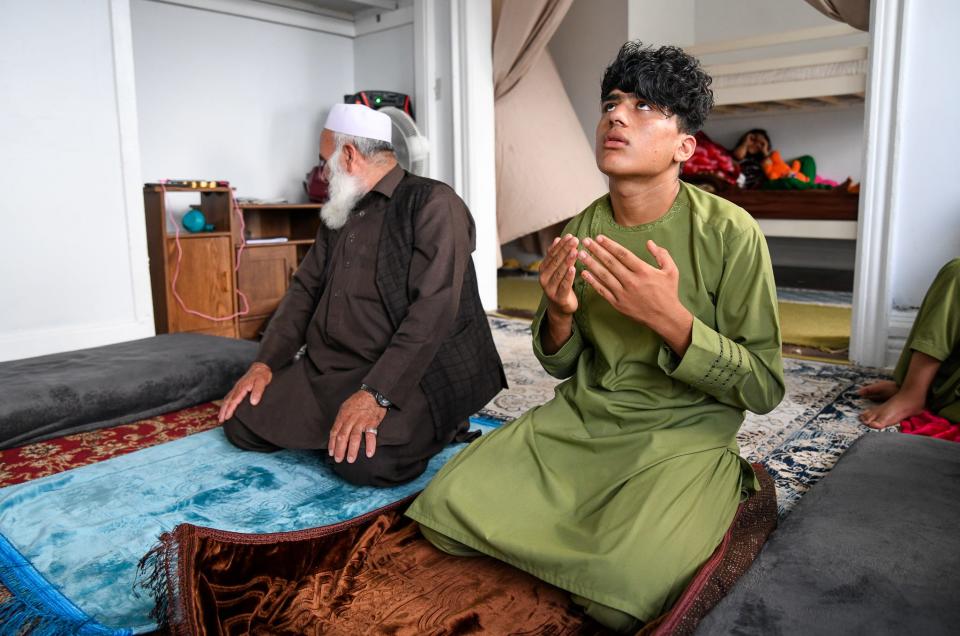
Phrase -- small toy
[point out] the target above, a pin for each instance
(776, 168)
(195, 221)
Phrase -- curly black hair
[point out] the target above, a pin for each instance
(669, 79)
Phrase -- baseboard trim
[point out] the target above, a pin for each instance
(901, 321)
(29, 344)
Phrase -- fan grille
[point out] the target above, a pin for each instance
(410, 145)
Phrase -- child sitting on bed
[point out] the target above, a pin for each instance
(927, 375)
(764, 168)
(750, 153)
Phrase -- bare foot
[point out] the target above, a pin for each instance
(893, 411)
(879, 391)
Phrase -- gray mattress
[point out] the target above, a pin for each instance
(874, 548)
(64, 393)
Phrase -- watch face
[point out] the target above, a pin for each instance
(382, 401)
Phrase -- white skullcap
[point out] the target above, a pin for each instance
(360, 121)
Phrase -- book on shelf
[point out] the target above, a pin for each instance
(261, 201)
(267, 240)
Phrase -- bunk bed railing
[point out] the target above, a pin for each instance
(794, 82)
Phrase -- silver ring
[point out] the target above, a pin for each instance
(373, 431)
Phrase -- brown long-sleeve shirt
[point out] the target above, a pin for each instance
(344, 323)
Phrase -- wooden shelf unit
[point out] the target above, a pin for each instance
(206, 268)
(248, 246)
(152, 187)
(209, 278)
(199, 235)
(266, 269)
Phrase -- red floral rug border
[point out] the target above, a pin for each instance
(52, 456)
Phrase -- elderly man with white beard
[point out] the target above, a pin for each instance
(398, 349)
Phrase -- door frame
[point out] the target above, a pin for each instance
(870, 326)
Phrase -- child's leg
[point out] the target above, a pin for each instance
(934, 336)
(910, 399)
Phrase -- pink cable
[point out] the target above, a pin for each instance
(176, 271)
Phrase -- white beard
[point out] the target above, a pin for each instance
(345, 192)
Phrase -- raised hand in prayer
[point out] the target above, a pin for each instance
(254, 381)
(639, 291)
(557, 272)
(358, 418)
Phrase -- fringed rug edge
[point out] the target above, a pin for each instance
(35, 606)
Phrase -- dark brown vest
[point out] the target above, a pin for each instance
(467, 372)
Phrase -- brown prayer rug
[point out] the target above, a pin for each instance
(376, 574)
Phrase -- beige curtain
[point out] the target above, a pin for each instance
(856, 13)
(546, 171)
(524, 28)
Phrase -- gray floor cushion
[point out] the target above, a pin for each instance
(64, 393)
(874, 548)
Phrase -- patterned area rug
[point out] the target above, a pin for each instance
(37, 460)
(815, 296)
(798, 442)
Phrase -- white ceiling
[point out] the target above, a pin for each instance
(343, 9)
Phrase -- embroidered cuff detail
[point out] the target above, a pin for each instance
(713, 363)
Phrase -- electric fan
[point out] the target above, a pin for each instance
(411, 146)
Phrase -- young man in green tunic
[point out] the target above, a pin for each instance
(927, 375)
(659, 307)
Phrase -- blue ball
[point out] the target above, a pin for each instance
(194, 221)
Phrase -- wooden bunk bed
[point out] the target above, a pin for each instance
(785, 84)
(818, 214)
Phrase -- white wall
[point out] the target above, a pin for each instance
(715, 21)
(583, 46)
(744, 18)
(473, 132)
(234, 98)
(384, 61)
(661, 22)
(441, 90)
(925, 226)
(73, 268)
(386, 56)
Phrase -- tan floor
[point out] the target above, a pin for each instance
(518, 292)
(822, 327)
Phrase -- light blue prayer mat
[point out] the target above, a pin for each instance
(70, 542)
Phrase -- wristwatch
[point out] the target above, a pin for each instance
(382, 401)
